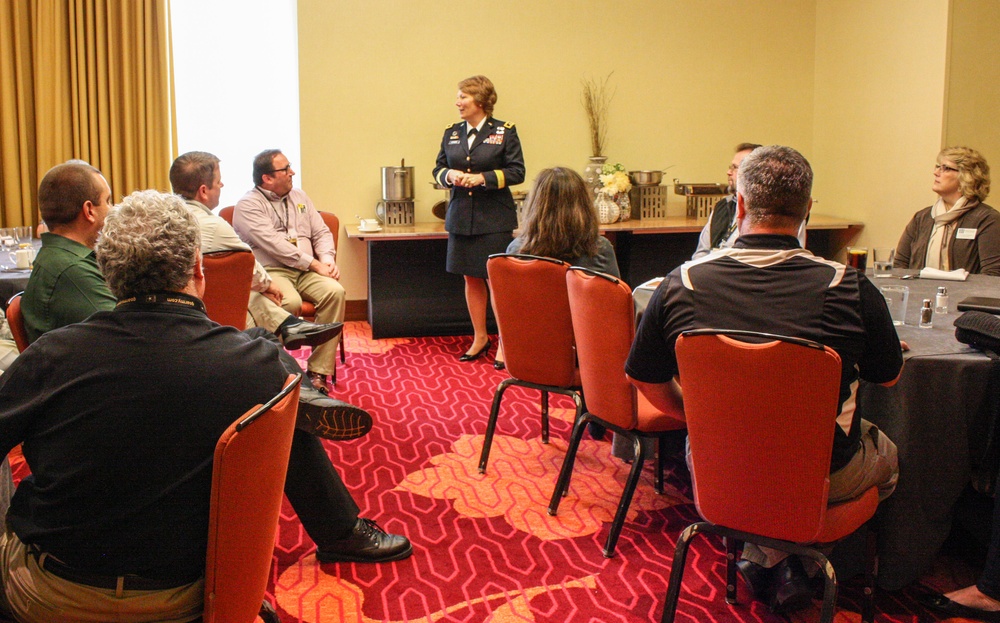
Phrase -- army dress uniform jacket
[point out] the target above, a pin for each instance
(496, 153)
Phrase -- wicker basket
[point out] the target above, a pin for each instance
(648, 201)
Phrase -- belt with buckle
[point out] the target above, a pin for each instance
(126, 582)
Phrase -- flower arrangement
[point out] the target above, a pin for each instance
(612, 201)
(614, 180)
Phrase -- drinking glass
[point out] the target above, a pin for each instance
(7, 244)
(896, 297)
(24, 235)
(857, 257)
(882, 258)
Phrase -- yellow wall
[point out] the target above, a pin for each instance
(880, 75)
(378, 82)
(973, 100)
(861, 88)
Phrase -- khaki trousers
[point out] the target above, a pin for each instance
(32, 595)
(326, 294)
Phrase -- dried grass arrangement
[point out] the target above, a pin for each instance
(597, 98)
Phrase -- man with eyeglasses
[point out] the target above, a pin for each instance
(720, 232)
(289, 238)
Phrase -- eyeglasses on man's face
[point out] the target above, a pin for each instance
(944, 168)
(287, 169)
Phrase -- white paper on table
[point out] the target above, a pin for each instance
(652, 283)
(959, 274)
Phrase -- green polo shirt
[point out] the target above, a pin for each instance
(65, 286)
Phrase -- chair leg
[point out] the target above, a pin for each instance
(545, 416)
(491, 425)
(731, 547)
(677, 572)
(343, 350)
(871, 575)
(661, 451)
(630, 485)
(562, 482)
(829, 586)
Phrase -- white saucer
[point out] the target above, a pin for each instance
(370, 231)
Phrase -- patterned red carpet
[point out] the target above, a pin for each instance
(485, 549)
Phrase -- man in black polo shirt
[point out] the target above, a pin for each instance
(767, 282)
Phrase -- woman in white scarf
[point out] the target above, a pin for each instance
(959, 230)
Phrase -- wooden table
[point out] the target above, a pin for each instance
(410, 294)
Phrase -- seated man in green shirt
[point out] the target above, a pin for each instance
(66, 286)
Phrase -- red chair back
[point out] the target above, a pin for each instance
(227, 214)
(308, 311)
(603, 317)
(16, 322)
(228, 276)
(760, 420)
(333, 224)
(532, 312)
(248, 479)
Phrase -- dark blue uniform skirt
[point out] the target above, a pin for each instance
(467, 254)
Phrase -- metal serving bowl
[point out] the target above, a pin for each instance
(646, 178)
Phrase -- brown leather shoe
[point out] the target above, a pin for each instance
(319, 381)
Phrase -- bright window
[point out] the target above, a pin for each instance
(236, 82)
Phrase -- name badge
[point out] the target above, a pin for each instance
(965, 233)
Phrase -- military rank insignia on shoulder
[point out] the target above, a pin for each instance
(508, 125)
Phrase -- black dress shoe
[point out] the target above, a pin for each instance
(367, 543)
(792, 589)
(499, 365)
(319, 381)
(308, 334)
(476, 355)
(331, 419)
(953, 609)
(759, 579)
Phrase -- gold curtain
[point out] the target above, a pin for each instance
(86, 79)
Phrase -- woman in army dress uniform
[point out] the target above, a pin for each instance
(480, 159)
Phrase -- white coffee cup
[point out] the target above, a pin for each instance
(22, 258)
(368, 224)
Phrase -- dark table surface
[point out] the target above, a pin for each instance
(936, 416)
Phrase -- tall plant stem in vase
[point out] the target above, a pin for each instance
(596, 100)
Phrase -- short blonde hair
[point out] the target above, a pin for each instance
(973, 171)
(482, 91)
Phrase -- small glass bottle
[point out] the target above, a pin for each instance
(926, 315)
(941, 301)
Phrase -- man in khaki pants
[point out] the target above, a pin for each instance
(290, 239)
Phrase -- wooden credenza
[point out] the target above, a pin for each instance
(411, 295)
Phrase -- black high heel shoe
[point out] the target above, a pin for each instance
(498, 364)
(476, 355)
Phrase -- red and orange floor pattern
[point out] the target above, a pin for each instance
(485, 549)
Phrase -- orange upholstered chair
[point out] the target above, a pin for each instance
(532, 312)
(227, 214)
(761, 412)
(308, 309)
(604, 326)
(228, 275)
(16, 322)
(248, 478)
